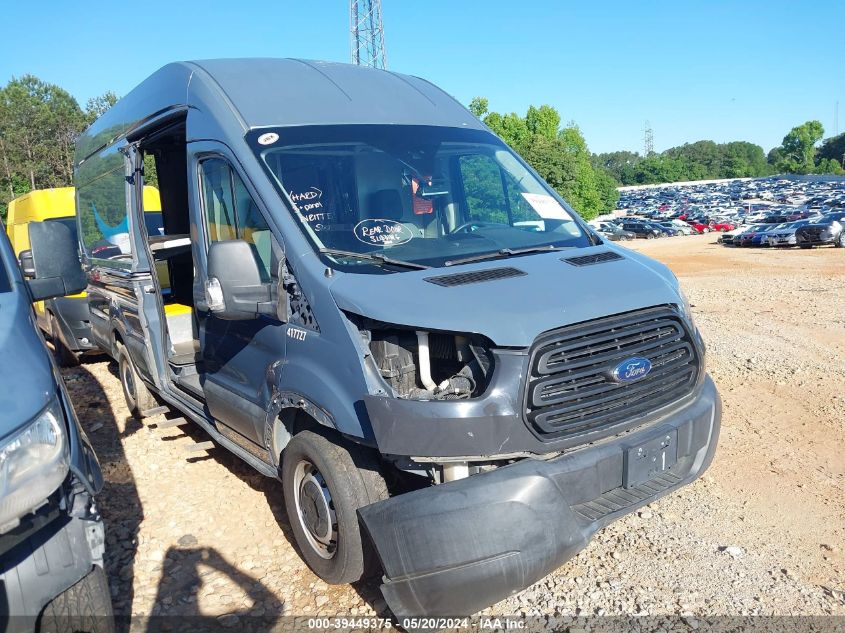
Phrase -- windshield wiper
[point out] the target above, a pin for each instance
(505, 252)
(374, 257)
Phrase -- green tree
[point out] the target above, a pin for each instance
(828, 166)
(554, 164)
(659, 168)
(39, 124)
(544, 121)
(95, 107)
(585, 195)
(560, 156)
(607, 188)
(833, 149)
(798, 150)
(618, 164)
(701, 159)
(511, 127)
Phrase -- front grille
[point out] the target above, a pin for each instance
(570, 390)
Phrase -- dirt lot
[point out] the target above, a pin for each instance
(761, 533)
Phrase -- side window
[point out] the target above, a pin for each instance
(253, 228)
(102, 208)
(483, 188)
(218, 200)
(231, 213)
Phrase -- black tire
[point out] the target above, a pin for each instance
(137, 395)
(64, 357)
(84, 608)
(840, 243)
(649, 236)
(350, 478)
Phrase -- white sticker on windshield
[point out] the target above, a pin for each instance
(546, 206)
(380, 232)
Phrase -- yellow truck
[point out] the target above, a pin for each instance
(65, 320)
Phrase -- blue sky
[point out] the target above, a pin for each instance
(719, 70)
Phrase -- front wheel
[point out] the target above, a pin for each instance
(840, 243)
(324, 484)
(649, 236)
(83, 608)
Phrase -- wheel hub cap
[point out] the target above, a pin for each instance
(315, 509)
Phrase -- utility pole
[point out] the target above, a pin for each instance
(367, 33)
(648, 140)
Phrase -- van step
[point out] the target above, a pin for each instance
(169, 424)
(201, 446)
(155, 411)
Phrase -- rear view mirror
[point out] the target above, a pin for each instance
(52, 265)
(234, 290)
(433, 189)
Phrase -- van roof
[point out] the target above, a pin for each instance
(263, 92)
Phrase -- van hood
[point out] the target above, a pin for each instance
(512, 311)
(27, 382)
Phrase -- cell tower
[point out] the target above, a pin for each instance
(367, 33)
(648, 140)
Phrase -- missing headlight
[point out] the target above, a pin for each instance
(430, 365)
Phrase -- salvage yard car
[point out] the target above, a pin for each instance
(641, 229)
(375, 300)
(51, 534)
(699, 226)
(784, 234)
(829, 230)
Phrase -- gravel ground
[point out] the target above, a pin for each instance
(761, 533)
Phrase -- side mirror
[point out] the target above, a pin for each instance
(52, 265)
(234, 290)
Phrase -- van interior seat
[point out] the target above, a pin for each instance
(387, 204)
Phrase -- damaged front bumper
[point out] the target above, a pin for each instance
(459, 547)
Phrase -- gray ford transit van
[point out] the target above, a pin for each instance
(51, 533)
(370, 297)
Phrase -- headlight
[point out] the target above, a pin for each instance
(33, 463)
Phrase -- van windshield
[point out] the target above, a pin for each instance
(427, 195)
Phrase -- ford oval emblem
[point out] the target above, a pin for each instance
(631, 369)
